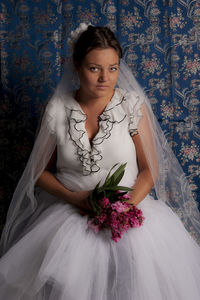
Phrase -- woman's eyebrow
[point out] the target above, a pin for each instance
(91, 63)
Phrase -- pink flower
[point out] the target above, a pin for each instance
(104, 202)
(118, 217)
(94, 226)
(116, 238)
(114, 221)
(119, 206)
(102, 218)
(126, 196)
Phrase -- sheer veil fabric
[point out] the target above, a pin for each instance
(171, 185)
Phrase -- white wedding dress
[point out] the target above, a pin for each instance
(59, 258)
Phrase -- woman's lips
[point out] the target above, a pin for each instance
(102, 87)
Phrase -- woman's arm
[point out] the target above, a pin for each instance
(144, 181)
(49, 183)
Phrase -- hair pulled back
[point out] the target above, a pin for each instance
(95, 37)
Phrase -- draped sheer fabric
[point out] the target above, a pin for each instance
(170, 182)
(170, 186)
(24, 202)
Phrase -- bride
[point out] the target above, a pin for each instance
(97, 117)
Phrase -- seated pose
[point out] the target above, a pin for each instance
(97, 118)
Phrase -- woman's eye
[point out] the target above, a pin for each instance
(93, 69)
(113, 69)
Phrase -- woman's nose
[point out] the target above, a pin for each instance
(103, 76)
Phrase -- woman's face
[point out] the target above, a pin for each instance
(98, 72)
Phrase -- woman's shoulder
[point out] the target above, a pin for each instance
(55, 115)
(58, 104)
(130, 98)
(132, 107)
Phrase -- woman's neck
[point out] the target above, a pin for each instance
(87, 100)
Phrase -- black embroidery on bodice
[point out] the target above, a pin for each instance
(88, 153)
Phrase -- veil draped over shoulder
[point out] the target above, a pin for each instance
(171, 185)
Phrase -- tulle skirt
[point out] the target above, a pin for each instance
(60, 258)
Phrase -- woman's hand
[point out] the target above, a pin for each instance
(50, 183)
(80, 199)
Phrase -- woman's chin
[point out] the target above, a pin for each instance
(104, 91)
(99, 92)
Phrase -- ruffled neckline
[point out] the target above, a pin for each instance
(89, 152)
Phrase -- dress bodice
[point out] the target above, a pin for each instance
(81, 164)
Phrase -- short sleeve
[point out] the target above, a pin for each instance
(134, 112)
(49, 117)
(55, 118)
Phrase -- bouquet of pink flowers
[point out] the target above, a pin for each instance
(110, 207)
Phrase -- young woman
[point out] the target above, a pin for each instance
(49, 251)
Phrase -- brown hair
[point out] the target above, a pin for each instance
(95, 37)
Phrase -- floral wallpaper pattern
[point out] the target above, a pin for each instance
(161, 43)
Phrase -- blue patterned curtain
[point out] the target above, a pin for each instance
(161, 42)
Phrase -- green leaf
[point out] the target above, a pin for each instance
(118, 178)
(112, 180)
(96, 208)
(109, 188)
(97, 187)
(118, 187)
(118, 174)
(110, 172)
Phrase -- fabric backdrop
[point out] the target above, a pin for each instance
(161, 43)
